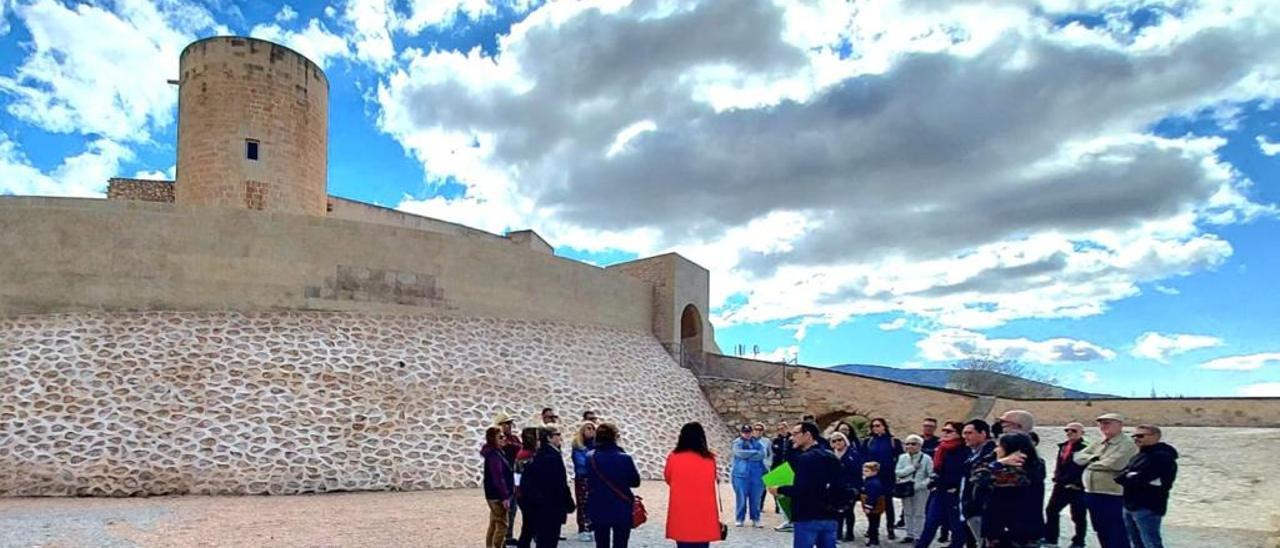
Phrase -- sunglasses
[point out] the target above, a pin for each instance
(1139, 436)
(948, 431)
(1070, 430)
(911, 443)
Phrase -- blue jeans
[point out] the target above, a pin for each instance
(746, 493)
(942, 511)
(1107, 514)
(820, 533)
(1144, 528)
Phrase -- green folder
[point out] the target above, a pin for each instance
(778, 477)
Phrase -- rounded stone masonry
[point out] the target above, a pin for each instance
(253, 127)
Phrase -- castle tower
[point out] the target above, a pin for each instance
(253, 127)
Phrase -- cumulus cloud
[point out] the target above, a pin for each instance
(1260, 390)
(1268, 147)
(1167, 290)
(958, 344)
(286, 14)
(1089, 377)
(780, 354)
(102, 72)
(1160, 347)
(314, 40)
(894, 325)
(1247, 362)
(969, 164)
(83, 175)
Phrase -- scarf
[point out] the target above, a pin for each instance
(944, 447)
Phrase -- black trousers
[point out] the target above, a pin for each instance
(844, 526)
(546, 532)
(1059, 499)
(873, 527)
(621, 535)
(888, 516)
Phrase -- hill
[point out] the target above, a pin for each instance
(948, 378)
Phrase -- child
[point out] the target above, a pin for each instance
(872, 501)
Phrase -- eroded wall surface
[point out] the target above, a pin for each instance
(294, 402)
(68, 255)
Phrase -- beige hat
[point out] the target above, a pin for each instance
(1110, 417)
(502, 418)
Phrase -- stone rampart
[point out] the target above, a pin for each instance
(293, 402)
(140, 190)
(66, 254)
(744, 390)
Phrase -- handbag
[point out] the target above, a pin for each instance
(907, 489)
(638, 513)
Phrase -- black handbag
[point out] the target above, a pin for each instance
(904, 489)
(724, 527)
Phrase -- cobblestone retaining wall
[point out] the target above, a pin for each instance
(294, 402)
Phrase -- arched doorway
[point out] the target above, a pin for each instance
(691, 335)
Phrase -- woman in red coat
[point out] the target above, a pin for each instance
(693, 516)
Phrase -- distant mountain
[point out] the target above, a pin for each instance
(944, 378)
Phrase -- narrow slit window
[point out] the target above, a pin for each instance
(251, 149)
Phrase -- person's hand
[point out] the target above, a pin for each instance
(506, 504)
(1015, 459)
(773, 490)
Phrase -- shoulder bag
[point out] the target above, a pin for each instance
(724, 527)
(907, 489)
(638, 513)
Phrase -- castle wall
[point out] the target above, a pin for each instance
(66, 254)
(236, 90)
(140, 190)
(1242, 412)
(352, 210)
(292, 402)
(745, 390)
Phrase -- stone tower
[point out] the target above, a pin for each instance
(253, 127)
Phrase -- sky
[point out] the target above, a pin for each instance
(1086, 186)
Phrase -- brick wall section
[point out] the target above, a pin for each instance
(1235, 412)
(234, 89)
(140, 190)
(740, 402)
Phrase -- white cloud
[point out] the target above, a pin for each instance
(442, 13)
(372, 22)
(944, 171)
(1159, 347)
(780, 354)
(958, 344)
(1248, 362)
(1089, 377)
(1268, 147)
(314, 41)
(286, 14)
(894, 325)
(102, 72)
(83, 175)
(1260, 390)
(1167, 290)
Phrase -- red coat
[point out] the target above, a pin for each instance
(692, 515)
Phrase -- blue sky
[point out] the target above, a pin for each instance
(1087, 187)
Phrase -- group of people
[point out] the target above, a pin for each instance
(976, 483)
(968, 483)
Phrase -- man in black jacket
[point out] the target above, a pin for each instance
(781, 451)
(817, 482)
(1068, 490)
(1147, 481)
(982, 452)
(545, 489)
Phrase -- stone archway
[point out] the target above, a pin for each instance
(691, 332)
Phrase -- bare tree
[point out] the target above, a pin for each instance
(1002, 377)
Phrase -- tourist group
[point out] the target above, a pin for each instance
(968, 484)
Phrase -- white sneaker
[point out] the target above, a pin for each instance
(586, 536)
(737, 524)
(755, 524)
(786, 526)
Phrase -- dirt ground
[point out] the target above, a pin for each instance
(1226, 496)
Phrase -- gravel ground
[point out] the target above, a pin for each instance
(1223, 498)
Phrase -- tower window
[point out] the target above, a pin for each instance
(251, 149)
